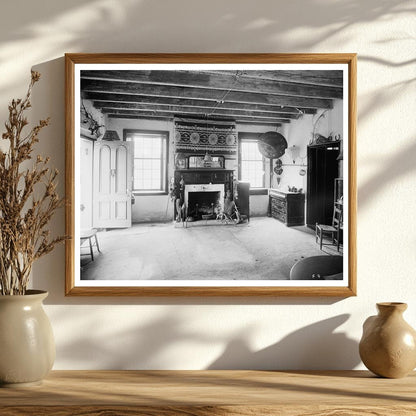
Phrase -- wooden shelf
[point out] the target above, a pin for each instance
(208, 393)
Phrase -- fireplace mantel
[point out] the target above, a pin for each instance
(203, 177)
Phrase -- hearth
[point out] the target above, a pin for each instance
(202, 200)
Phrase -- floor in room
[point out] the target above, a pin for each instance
(263, 249)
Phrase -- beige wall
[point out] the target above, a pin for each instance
(198, 333)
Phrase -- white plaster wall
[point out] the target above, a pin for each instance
(299, 133)
(198, 333)
(259, 204)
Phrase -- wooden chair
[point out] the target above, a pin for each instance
(318, 268)
(332, 231)
(88, 235)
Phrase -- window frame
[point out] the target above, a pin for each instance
(164, 163)
(253, 189)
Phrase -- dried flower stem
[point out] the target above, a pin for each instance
(23, 217)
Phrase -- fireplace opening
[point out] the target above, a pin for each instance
(202, 204)
(203, 201)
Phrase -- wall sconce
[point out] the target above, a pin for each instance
(294, 151)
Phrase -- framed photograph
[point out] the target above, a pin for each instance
(211, 174)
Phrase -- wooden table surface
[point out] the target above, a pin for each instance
(208, 393)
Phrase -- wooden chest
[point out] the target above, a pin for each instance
(287, 207)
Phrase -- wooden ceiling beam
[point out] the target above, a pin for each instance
(269, 124)
(182, 109)
(211, 80)
(98, 86)
(330, 78)
(170, 116)
(136, 117)
(204, 106)
(259, 123)
(211, 121)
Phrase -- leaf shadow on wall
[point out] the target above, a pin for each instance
(248, 26)
(149, 346)
(143, 344)
(98, 26)
(396, 166)
(316, 346)
(86, 24)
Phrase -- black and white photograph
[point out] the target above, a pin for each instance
(211, 175)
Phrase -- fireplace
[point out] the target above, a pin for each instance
(204, 200)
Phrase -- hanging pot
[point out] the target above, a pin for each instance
(272, 145)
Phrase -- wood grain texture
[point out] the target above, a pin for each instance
(102, 100)
(212, 80)
(96, 86)
(207, 393)
(69, 174)
(208, 411)
(266, 291)
(211, 58)
(303, 291)
(121, 108)
(352, 169)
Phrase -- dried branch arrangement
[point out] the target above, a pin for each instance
(28, 199)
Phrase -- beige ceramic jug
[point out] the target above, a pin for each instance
(388, 345)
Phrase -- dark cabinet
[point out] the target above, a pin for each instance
(323, 168)
(287, 207)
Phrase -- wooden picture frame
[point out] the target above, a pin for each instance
(289, 78)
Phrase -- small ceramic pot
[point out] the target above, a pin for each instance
(388, 345)
(27, 346)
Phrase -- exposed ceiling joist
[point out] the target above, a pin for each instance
(223, 82)
(330, 78)
(245, 96)
(191, 110)
(170, 117)
(269, 124)
(193, 113)
(136, 117)
(224, 123)
(94, 86)
(116, 100)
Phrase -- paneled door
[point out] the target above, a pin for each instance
(113, 180)
(86, 173)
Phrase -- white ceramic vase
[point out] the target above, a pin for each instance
(27, 346)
